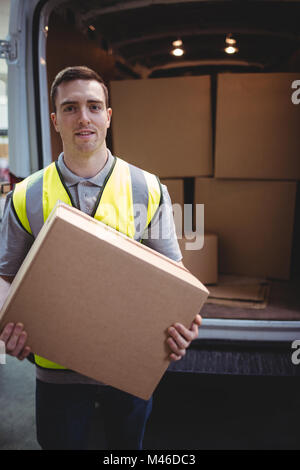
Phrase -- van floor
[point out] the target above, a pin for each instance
(283, 304)
(190, 411)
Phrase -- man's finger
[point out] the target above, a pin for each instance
(181, 335)
(188, 334)
(175, 357)
(6, 332)
(24, 353)
(12, 341)
(195, 330)
(20, 344)
(175, 348)
(197, 320)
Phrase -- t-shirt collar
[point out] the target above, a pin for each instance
(71, 179)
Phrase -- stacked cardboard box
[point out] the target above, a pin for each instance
(256, 143)
(176, 190)
(164, 125)
(201, 262)
(257, 131)
(200, 257)
(254, 222)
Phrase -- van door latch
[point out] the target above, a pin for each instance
(8, 50)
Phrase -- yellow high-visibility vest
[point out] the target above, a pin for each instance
(125, 188)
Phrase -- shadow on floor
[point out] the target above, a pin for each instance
(194, 411)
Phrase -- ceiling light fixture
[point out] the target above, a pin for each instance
(230, 44)
(177, 43)
(231, 49)
(230, 39)
(178, 52)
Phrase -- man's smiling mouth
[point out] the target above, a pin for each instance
(84, 132)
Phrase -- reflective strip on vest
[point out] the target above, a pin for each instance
(34, 202)
(128, 201)
(19, 203)
(154, 192)
(53, 190)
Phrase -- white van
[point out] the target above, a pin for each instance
(132, 42)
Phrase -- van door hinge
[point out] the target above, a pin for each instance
(5, 187)
(8, 50)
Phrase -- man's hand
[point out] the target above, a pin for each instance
(15, 338)
(180, 338)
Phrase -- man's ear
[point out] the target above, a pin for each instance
(109, 113)
(54, 121)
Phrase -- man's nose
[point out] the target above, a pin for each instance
(84, 116)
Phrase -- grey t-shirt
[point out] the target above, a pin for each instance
(16, 242)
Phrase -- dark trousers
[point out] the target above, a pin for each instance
(64, 413)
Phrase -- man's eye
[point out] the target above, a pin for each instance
(95, 107)
(69, 109)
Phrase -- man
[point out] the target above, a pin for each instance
(82, 174)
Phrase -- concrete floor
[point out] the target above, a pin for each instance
(17, 415)
(191, 411)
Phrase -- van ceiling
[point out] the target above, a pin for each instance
(140, 34)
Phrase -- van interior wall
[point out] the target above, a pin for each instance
(66, 46)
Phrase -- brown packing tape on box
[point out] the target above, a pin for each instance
(99, 303)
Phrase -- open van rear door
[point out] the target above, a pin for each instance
(28, 112)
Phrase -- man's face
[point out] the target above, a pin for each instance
(81, 117)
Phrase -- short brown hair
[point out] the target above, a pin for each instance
(78, 72)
